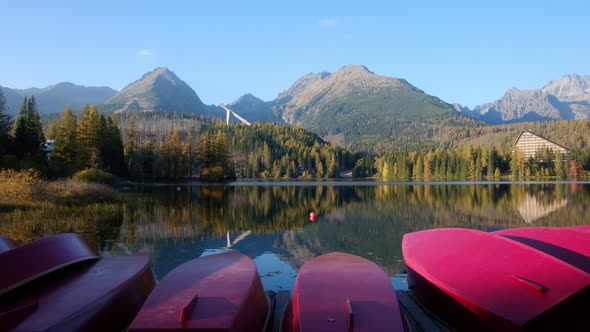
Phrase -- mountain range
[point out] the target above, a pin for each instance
(565, 99)
(354, 104)
(350, 105)
(55, 98)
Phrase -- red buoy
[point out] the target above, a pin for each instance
(313, 216)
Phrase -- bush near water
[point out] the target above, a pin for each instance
(27, 187)
(32, 208)
(94, 175)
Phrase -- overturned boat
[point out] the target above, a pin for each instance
(566, 244)
(221, 292)
(342, 292)
(61, 283)
(482, 281)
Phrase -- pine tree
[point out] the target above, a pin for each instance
(148, 160)
(21, 136)
(28, 133)
(114, 156)
(35, 125)
(560, 167)
(6, 123)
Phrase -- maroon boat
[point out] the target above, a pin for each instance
(58, 283)
(104, 295)
(342, 292)
(567, 244)
(7, 243)
(485, 282)
(38, 258)
(221, 292)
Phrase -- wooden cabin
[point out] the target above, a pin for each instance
(530, 144)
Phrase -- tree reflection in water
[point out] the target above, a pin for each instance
(367, 219)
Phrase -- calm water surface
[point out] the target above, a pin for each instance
(270, 223)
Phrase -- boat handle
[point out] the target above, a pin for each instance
(13, 317)
(188, 309)
(531, 284)
(348, 307)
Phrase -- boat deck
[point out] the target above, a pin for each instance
(417, 317)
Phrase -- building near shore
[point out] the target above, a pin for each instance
(529, 145)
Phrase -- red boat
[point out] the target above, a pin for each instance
(342, 292)
(220, 292)
(485, 282)
(7, 243)
(41, 257)
(90, 295)
(567, 244)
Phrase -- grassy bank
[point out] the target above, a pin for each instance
(32, 208)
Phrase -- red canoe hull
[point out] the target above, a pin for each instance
(342, 292)
(103, 295)
(480, 281)
(567, 244)
(220, 292)
(33, 260)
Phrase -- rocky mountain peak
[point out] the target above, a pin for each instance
(158, 90)
(248, 98)
(571, 87)
(357, 69)
(564, 99)
(158, 73)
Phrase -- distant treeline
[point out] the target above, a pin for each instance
(214, 151)
(172, 146)
(469, 163)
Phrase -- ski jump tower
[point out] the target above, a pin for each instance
(235, 114)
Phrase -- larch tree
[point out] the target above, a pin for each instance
(172, 156)
(87, 137)
(65, 148)
(132, 153)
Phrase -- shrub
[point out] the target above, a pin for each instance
(94, 175)
(212, 174)
(22, 186)
(75, 192)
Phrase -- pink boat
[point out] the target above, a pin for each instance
(485, 282)
(7, 243)
(220, 292)
(567, 244)
(342, 292)
(59, 283)
(585, 228)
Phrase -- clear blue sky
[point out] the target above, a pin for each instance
(461, 51)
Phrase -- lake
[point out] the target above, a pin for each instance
(269, 221)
